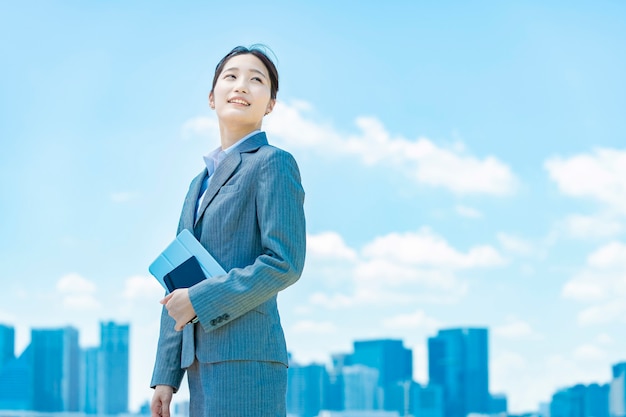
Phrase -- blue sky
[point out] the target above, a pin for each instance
(464, 164)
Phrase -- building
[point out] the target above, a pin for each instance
(7, 345)
(307, 389)
(581, 401)
(617, 391)
(360, 388)
(458, 361)
(394, 364)
(89, 380)
(55, 369)
(112, 371)
(16, 383)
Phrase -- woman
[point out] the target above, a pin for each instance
(246, 208)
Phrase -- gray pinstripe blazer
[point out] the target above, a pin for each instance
(252, 222)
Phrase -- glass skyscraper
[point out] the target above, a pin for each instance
(617, 393)
(55, 369)
(392, 361)
(112, 368)
(458, 361)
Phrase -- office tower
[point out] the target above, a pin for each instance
(89, 380)
(16, 383)
(597, 400)
(498, 404)
(306, 389)
(55, 367)
(426, 401)
(581, 401)
(394, 364)
(7, 345)
(112, 369)
(617, 391)
(458, 362)
(361, 388)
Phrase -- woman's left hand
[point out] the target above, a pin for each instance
(179, 307)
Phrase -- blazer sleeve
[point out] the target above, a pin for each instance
(167, 370)
(281, 224)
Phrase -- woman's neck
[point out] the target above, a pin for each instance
(231, 135)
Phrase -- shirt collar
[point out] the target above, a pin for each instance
(213, 158)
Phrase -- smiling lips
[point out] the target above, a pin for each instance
(239, 101)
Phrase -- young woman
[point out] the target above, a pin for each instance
(246, 208)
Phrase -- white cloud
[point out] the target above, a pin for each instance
(201, 126)
(515, 244)
(314, 327)
(469, 212)
(589, 352)
(77, 292)
(411, 321)
(421, 160)
(514, 329)
(329, 245)
(599, 175)
(602, 283)
(585, 227)
(427, 249)
(394, 269)
(139, 286)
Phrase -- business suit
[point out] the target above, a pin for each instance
(252, 221)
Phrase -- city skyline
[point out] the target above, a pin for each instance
(115, 341)
(54, 374)
(463, 164)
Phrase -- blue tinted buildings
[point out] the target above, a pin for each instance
(112, 368)
(54, 367)
(458, 361)
(393, 363)
(307, 389)
(617, 395)
(7, 345)
(581, 401)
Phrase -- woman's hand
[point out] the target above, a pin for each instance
(161, 399)
(179, 307)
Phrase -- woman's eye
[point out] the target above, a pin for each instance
(257, 79)
(230, 76)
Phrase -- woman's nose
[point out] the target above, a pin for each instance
(241, 86)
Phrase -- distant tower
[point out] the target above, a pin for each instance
(617, 391)
(307, 389)
(7, 345)
(360, 384)
(394, 364)
(55, 367)
(112, 370)
(89, 380)
(458, 361)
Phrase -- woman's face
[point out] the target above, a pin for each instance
(242, 92)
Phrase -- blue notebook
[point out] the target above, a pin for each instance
(177, 266)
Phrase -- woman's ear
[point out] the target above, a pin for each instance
(270, 106)
(211, 101)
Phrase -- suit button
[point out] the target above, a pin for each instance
(226, 316)
(213, 322)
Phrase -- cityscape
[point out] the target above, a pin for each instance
(55, 375)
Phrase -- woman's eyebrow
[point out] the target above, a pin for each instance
(251, 70)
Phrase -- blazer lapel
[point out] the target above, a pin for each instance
(189, 206)
(226, 168)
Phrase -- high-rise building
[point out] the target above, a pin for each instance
(617, 391)
(55, 369)
(426, 401)
(458, 361)
(580, 401)
(89, 380)
(7, 345)
(307, 389)
(394, 364)
(361, 389)
(16, 383)
(112, 369)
